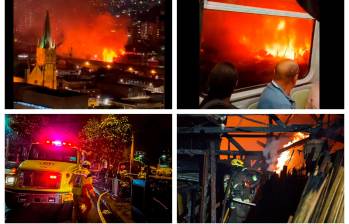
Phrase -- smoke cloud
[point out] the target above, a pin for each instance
(270, 151)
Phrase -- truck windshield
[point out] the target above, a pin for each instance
(53, 153)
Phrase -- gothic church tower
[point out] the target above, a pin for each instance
(44, 72)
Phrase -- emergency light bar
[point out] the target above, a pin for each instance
(58, 143)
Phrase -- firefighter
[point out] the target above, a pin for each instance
(82, 191)
(88, 193)
(239, 187)
(142, 174)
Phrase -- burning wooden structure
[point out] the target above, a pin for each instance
(300, 158)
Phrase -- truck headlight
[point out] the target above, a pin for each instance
(10, 180)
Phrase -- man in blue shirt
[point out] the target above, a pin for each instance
(277, 93)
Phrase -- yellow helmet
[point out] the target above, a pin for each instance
(86, 164)
(237, 162)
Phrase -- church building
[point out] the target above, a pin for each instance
(44, 72)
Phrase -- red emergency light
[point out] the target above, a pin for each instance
(58, 143)
(53, 177)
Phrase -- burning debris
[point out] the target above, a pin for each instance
(286, 156)
(276, 160)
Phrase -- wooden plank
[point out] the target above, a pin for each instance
(340, 217)
(290, 219)
(334, 208)
(203, 204)
(213, 164)
(313, 201)
(321, 200)
(331, 195)
(309, 198)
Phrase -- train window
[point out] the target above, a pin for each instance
(287, 5)
(254, 43)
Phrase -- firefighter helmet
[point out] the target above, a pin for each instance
(237, 162)
(86, 164)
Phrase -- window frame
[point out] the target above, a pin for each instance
(256, 90)
(254, 10)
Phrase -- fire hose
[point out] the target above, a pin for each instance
(99, 207)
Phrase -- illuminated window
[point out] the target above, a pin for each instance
(254, 43)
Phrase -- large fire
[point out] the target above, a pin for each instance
(254, 43)
(285, 48)
(286, 155)
(78, 29)
(109, 55)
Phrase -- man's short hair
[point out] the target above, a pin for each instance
(222, 80)
(286, 70)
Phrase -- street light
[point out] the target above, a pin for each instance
(153, 72)
(130, 69)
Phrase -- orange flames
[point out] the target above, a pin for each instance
(286, 155)
(254, 43)
(109, 55)
(285, 48)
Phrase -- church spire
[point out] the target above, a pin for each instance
(46, 41)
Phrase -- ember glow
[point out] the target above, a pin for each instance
(286, 155)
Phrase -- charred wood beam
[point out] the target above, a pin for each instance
(186, 188)
(234, 142)
(252, 120)
(236, 153)
(213, 164)
(219, 130)
(205, 182)
(298, 143)
(218, 152)
(277, 120)
(248, 135)
(261, 143)
(191, 152)
(181, 177)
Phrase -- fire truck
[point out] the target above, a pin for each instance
(45, 176)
